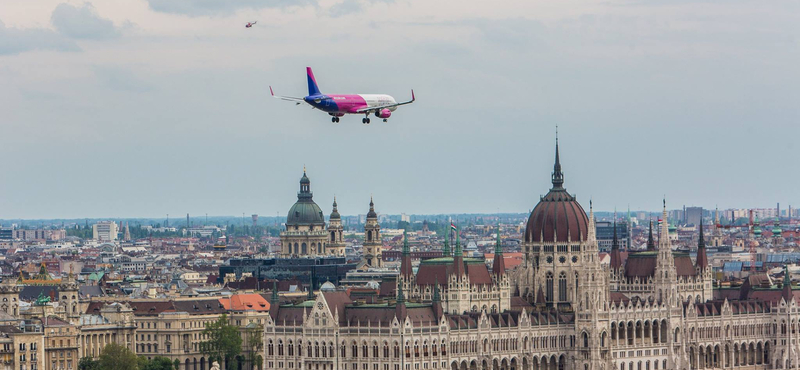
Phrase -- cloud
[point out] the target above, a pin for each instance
(121, 80)
(344, 8)
(348, 7)
(198, 8)
(18, 40)
(82, 22)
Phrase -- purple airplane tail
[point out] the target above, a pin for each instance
(313, 89)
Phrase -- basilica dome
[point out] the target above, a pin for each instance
(558, 216)
(305, 211)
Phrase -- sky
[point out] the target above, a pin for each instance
(143, 108)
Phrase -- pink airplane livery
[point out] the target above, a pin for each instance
(336, 106)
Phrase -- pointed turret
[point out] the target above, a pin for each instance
(446, 249)
(540, 299)
(787, 293)
(274, 302)
(592, 232)
(558, 176)
(311, 295)
(405, 262)
(335, 214)
(651, 243)
(499, 264)
(663, 240)
(702, 259)
(371, 213)
(400, 308)
(274, 298)
(458, 252)
(616, 258)
(437, 301)
(458, 256)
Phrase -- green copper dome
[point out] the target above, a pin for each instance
(305, 211)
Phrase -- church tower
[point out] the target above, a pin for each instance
(373, 245)
(666, 275)
(305, 234)
(9, 296)
(68, 290)
(336, 243)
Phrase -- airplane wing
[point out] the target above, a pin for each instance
(287, 98)
(370, 109)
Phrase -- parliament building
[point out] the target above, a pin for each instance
(561, 309)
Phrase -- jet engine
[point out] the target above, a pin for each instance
(384, 113)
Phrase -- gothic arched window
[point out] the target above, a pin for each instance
(562, 287)
(549, 287)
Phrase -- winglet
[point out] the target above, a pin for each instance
(412, 95)
(273, 94)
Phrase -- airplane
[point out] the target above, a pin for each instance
(250, 24)
(337, 106)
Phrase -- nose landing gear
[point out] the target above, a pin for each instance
(365, 121)
(335, 119)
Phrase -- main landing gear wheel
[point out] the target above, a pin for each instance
(365, 120)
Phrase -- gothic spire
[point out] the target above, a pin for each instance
(401, 298)
(651, 244)
(499, 264)
(446, 248)
(405, 261)
(558, 176)
(436, 297)
(616, 259)
(406, 251)
(498, 247)
(702, 258)
(458, 251)
(274, 299)
(615, 241)
(787, 285)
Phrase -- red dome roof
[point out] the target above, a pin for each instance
(558, 216)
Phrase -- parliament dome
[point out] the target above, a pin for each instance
(558, 216)
(305, 211)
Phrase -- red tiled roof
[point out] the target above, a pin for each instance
(643, 264)
(245, 302)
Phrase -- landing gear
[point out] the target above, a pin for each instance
(384, 120)
(335, 119)
(365, 121)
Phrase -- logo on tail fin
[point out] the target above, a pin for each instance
(313, 89)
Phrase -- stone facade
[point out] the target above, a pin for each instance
(649, 310)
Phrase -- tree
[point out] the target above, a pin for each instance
(156, 363)
(224, 342)
(117, 357)
(177, 364)
(87, 363)
(254, 343)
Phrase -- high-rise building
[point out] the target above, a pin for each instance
(694, 215)
(605, 234)
(105, 231)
